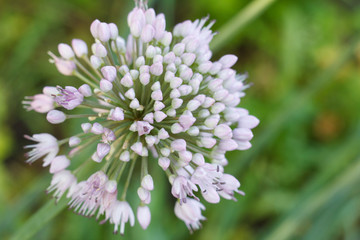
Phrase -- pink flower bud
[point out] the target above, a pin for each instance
(80, 48)
(156, 86)
(159, 25)
(166, 39)
(140, 61)
(50, 91)
(95, 157)
(116, 114)
(99, 50)
(144, 216)
(85, 90)
(185, 156)
(150, 16)
(65, 51)
(59, 163)
(150, 51)
(243, 145)
(150, 140)
(55, 116)
(156, 69)
(103, 32)
(220, 94)
(208, 142)
(193, 131)
(125, 156)
(111, 186)
(143, 194)
(175, 93)
(192, 45)
(95, 61)
(176, 128)
(74, 141)
(228, 61)
(94, 28)
(102, 150)
(185, 90)
(243, 134)
(205, 67)
(198, 159)
(186, 121)
(159, 116)
(158, 106)
(134, 104)
(248, 122)
(175, 82)
(148, 33)
(169, 58)
(193, 105)
(105, 85)
(215, 68)
(136, 22)
(227, 74)
(178, 145)
(144, 78)
(227, 145)
(137, 148)
(114, 32)
(147, 182)
(165, 151)
(108, 136)
(188, 58)
(127, 80)
(149, 118)
(179, 49)
(65, 67)
(86, 127)
(157, 95)
(223, 131)
(218, 108)
(109, 73)
(158, 58)
(163, 134)
(97, 128)
(208, 102)
(212, 121)
(120, 45)
(164, 163)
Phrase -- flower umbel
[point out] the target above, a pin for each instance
(156, 93)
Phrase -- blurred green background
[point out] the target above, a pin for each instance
(302, 176)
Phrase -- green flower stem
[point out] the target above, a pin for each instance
(131, 170)
(246, 15)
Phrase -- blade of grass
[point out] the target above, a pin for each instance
(290, 223)
(20, 206)
(39, 219)
(246, 15)
(330, 221)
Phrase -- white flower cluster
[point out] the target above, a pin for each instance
(156, 92)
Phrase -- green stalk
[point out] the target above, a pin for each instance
(245, 16)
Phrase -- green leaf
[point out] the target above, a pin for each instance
(39, 219)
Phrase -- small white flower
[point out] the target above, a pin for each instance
(120, 214)
(47, 145)
(190, 212)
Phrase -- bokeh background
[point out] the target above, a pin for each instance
(302, 175)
